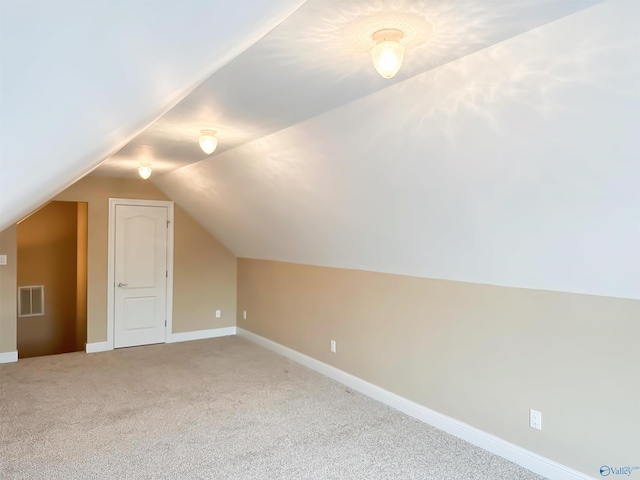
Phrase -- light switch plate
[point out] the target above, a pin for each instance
(3, 259)
(218, 313)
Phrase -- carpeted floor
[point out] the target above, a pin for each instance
(221, 408)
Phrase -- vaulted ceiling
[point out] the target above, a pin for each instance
(80, 79)
(505, 151)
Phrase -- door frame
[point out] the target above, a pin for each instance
(113, 202)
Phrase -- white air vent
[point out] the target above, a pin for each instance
(31, 301)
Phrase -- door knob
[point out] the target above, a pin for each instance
(120, 284)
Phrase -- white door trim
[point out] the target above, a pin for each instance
(111, 263)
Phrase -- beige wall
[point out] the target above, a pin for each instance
(96, 191)
(47, 256)
(204, 270)
(8, 286)
(481, 354)
(204, 278)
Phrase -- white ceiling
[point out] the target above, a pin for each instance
(516, 165)
(312, 63)
(79, 79)
(504, 152)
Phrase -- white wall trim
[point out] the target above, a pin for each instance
(8, 357)
(173, 338)
(529, 460)
(98, 347)
(111, 257)
(201, 334)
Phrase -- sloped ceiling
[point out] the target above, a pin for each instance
(504, 152)
(516, 165)
(313, 62)
(79, 79)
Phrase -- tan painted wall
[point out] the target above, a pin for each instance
(204, 278)
(96, 192)
(481, 354)
(47, 256)
(203, 268)
(8, 286)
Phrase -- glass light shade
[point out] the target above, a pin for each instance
(208, 141)
(388, 52)
(145, 170)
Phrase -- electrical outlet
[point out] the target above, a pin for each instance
(535, 419)
(244, 314)
(333, 346)
(218, 313)
(3, 259)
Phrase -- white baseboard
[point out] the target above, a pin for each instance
(173, 338)
(201, 334)
(98, 347)
(8, 357)
(529, 460)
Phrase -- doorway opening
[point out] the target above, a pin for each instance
(52, 280)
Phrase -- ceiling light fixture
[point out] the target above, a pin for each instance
(208, 141)
(145, 170)
(388, 52)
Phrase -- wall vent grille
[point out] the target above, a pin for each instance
(31, 301)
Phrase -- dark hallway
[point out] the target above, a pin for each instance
(52, 272)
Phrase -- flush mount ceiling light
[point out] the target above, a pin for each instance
(208, 141)
(386, 38)
(388, 52)
(145, 170)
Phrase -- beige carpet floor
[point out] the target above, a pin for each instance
(221, 408)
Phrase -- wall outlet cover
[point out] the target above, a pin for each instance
(535, 419)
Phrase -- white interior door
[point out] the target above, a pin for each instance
(140, 275)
